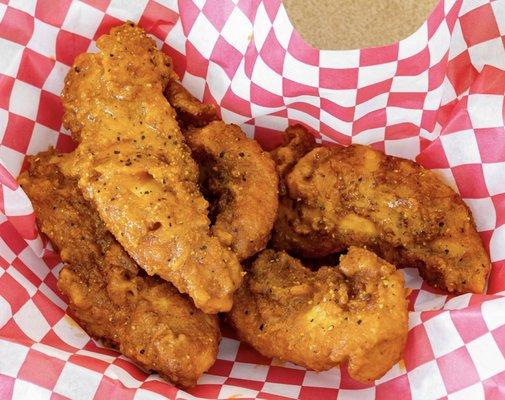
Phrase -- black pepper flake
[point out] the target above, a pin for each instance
(241, 154)
(359, 322)
(117, 152)
(221, 155)
(142, 351)
(128, 163)
(261, 327)
(143, 137)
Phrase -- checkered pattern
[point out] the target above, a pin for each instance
(437, 96)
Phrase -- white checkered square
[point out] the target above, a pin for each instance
(487, 357)
(31, 321)
(249, 371)
(474, 392)
(490, 52)
(356, 394)
(282, 27)
(494, 175)
(426, 382)
(54, 82)
(12, 356)
(43, 40)
(71, 333)
(414, 43)
(444, 337)
(486, 111)
(280, 389)
(25, 390)
(237, 30)
(228, 349)
(42, 138)
(429, 301)
(261, 26)
(265, 77)
(228, 392)
(499, 11)
(5, 309)
(77, 382)
(409, 84)
(493, 313)
(406, 148)
(28, 6)
(375, 103)
(461, 148)
(203, 36)
(12, 159)
(484, 213)
(325, 379)
(439, 44)
(497, 249)
(22, 91)
(127, 10)
(218, 81)
(300, 72)
(371, 74)
(82, 19)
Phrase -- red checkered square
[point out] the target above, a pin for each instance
(486, 31)
(15, 135)
(52, 11)
(41, 369)
(398, 386)
(418, 349)
(457, 370)
(285, 375)
(469, 179)
(16, 26)
(158, 19)
(6, 386)
(6, 84)
(69, 45)
(50, 110)
(218, 11)
(34, 68)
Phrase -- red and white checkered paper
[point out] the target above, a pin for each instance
(436, 96)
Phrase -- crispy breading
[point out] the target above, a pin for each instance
(133, 166)
(297, 141)
(355, 313)
(242, 179)
(144, 317)
(357, 196)
(190, 110)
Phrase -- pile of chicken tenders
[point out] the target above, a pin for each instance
(165, 216)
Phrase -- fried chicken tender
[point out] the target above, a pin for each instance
(242, 178)
(357, 196)
(133, 166)
(297, 142)
(144, 317)
(355, 313)
(190, 110)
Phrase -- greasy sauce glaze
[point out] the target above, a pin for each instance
(354, 313)
(134, 167)
(144, 317)
(243, 179)
(357, 196)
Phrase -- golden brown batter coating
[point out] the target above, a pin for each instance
(297, 142)
(144, 317)
(355, 313)
(133, 166)
(357, 196)
(243, 179)
(190, 110)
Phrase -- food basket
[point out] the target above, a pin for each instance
(436, 96)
